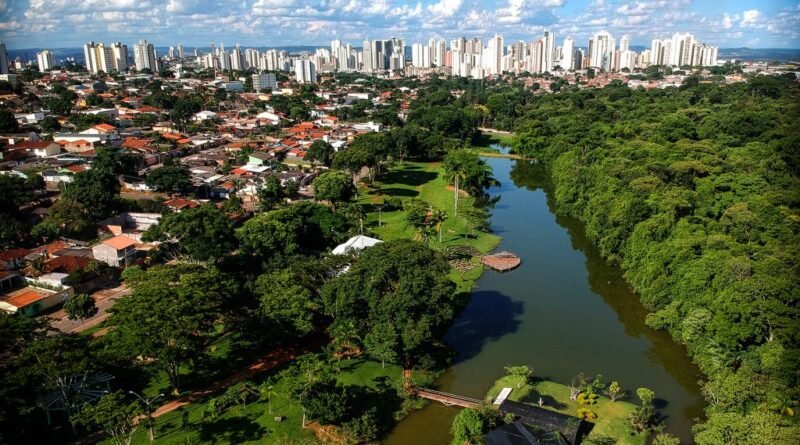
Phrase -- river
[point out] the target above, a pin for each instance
(563, 311)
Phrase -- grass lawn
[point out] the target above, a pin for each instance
(612, 417)
(426, 181)
(485, 140)
(254, 423)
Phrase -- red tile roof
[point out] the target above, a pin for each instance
(12, 254)
(119, 242)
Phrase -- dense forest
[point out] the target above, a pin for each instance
(694, 192)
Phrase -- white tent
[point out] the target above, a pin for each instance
(358, 242)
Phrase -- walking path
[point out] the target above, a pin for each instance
(103, 298)
(268, 361)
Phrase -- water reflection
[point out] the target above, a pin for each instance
(563, 311)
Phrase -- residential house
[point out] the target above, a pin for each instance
(13, 258)
(40, 149)
(118, 251)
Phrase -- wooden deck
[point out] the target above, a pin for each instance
(501, 261)
(448, 399)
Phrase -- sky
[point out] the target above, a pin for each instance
(269, 23)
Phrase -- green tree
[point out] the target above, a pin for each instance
(169, 316)
(468, 172)
(80, 307)
(290, 308)
(65, 218)
(470, 426)
(203, 233)
(523, 373)
(614, 391)
(321, 152)
(334, 186)
(402, 283)
(113, 415)
(169, 178)
(97, 189)
(8, 124)
(381, 343)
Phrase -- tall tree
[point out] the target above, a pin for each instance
(80, 307)
(113, 415)
(203, 233)
(334, 186)
(170, 315)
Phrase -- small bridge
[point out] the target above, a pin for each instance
(448, 399)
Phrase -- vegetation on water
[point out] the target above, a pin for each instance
(694, 191)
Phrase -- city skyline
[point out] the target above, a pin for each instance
(61, 24)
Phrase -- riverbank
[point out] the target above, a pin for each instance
(563, 311)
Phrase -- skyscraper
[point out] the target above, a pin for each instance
(567, 54)
(305, 71)
(145, 56)
(493, 62)
(46, 60)
(601, 50)
(3, 59)
(366, 57)
(119, 55)
(548, 50)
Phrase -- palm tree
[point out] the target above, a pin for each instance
(456, 171)
(437, 218)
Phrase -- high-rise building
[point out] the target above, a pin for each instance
(3, 59)
(145, 56)
(601, 50)
(265, 81)
(493, 62)
(366, 56)
(46, 60)
(98, 58)
(305, 71)
(548, 51)
(180, 51)
(119, 56)
(567, 54)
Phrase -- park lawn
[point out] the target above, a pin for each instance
(612, 417)
(426, 181)
(253, 423)
(485, 141)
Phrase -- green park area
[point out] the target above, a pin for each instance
(270, 415)
(612, 417)
(425, 181)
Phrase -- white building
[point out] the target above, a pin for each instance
(98, 58)
(548, 51)
(601, 50)
(145, 56)
(567, 51)
(119, 55)
(305, 71)
(46, 60)
(265, 81)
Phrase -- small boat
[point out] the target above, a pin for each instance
(501, 261)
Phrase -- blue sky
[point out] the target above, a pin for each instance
(70, 23)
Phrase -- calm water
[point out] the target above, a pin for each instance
(562, 311)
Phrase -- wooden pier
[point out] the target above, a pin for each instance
(501, 261)
(448, 399)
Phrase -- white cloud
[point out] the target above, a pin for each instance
(727, 21)
(749, 17)
(445, 8)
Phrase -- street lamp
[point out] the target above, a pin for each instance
(148, 412)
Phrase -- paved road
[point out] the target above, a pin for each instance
(104, 299)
